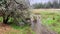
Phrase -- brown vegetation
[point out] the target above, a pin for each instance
(6, 29)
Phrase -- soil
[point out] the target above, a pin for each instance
(6, 29)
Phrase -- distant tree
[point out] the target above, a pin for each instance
(46, 5)
(49, 5)
(38, 5)
(14, 9)
(55, 4)
(59, 5)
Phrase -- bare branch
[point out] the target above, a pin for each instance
(16, 2)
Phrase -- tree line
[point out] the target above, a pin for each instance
(46, 5)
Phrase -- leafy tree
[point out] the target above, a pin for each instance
(13, 9)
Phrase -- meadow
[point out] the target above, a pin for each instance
(50, 18)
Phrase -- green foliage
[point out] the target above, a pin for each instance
(1, 19)
(10, 20)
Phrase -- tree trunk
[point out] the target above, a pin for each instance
(5, 20)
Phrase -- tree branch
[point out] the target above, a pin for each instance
(16, 2)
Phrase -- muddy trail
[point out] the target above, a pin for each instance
(38, 28)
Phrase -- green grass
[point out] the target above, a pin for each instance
(51, 19)
(23, 30)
